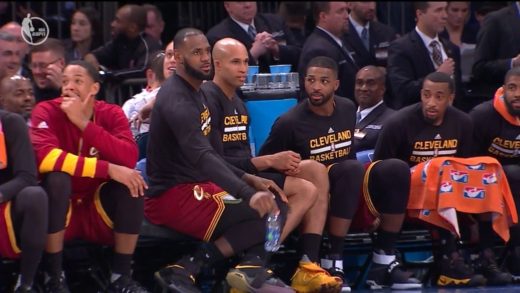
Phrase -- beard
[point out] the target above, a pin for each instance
(321, 102)
(510, 109)
(191, 71)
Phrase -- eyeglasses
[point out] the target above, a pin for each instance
(34, 66)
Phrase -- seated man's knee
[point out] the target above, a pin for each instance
(57, 185)
(394, 167)
(32, 199)
(305, 189)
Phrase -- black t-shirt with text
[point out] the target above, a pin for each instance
(409, 137)
(494, 136)
(326, 139)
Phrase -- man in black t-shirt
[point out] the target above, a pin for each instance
(321, 128)
(429, 129)
(190, 182)
(497, 134)
(306, 183)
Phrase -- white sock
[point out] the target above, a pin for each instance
(382, 259)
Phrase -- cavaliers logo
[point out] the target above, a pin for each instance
(199, 194)
(93, 152)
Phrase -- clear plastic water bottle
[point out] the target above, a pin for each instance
(272, 235)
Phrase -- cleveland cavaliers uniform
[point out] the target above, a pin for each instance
(408, 137)
(494, 135)
(187, 175)
(327, 140)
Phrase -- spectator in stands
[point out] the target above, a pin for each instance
(294, 13)
(429, 129)
(301, 180)
(14, 29)
(16, 95)
(128, 51)
(46, 63)
(94, 192)
(483, 8)
(326, 40)
(154, 22)
(188, 179)
(420, 52)
(23, 204)
(372, 112)
(154, 79)
(169, 67)
(267, 38)
(321, 128)
(456, 29)
(497, 47)
(368, 37)
(85, 34)
(497, 134)
(9, 55)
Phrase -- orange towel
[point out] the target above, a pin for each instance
(444, 185)
(3, 150)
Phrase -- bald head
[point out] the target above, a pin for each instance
(230, 60)
(226, 47)
(16, 95)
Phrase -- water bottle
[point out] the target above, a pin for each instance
(272, 235)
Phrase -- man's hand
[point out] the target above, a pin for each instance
(129, 177)
(263, 184)
(448, 67)
(78, 112)
(257, 49)
(53, 74)
(285, 161)
(263, 202)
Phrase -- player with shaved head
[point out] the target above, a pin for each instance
(194, 191)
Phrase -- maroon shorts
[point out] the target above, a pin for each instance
(8, 246)
(87, 220)
(192, 208)
(367, 217)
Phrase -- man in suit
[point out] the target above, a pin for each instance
(420, 52)
(498, 49)
(326, 40)
(372, 111)
(369, 39)
(268, 40)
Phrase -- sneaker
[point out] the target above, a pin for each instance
(251, 276)
(340, 275)
(334, 266)
(125, 284)
(391, 275)
(310, 277)
(513, 264)
(177, 277)
(455, 272)
(486, 265)
(56, 284)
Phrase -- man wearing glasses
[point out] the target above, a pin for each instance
(47, 63)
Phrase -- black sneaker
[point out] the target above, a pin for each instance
(486, 265)
(454, 272)
(513, 264)
(177, 277)
(125, 284)
(251, 276)
(57, 284)
(391, 275)
(337, 272)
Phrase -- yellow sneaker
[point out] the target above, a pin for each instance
(310, 277)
